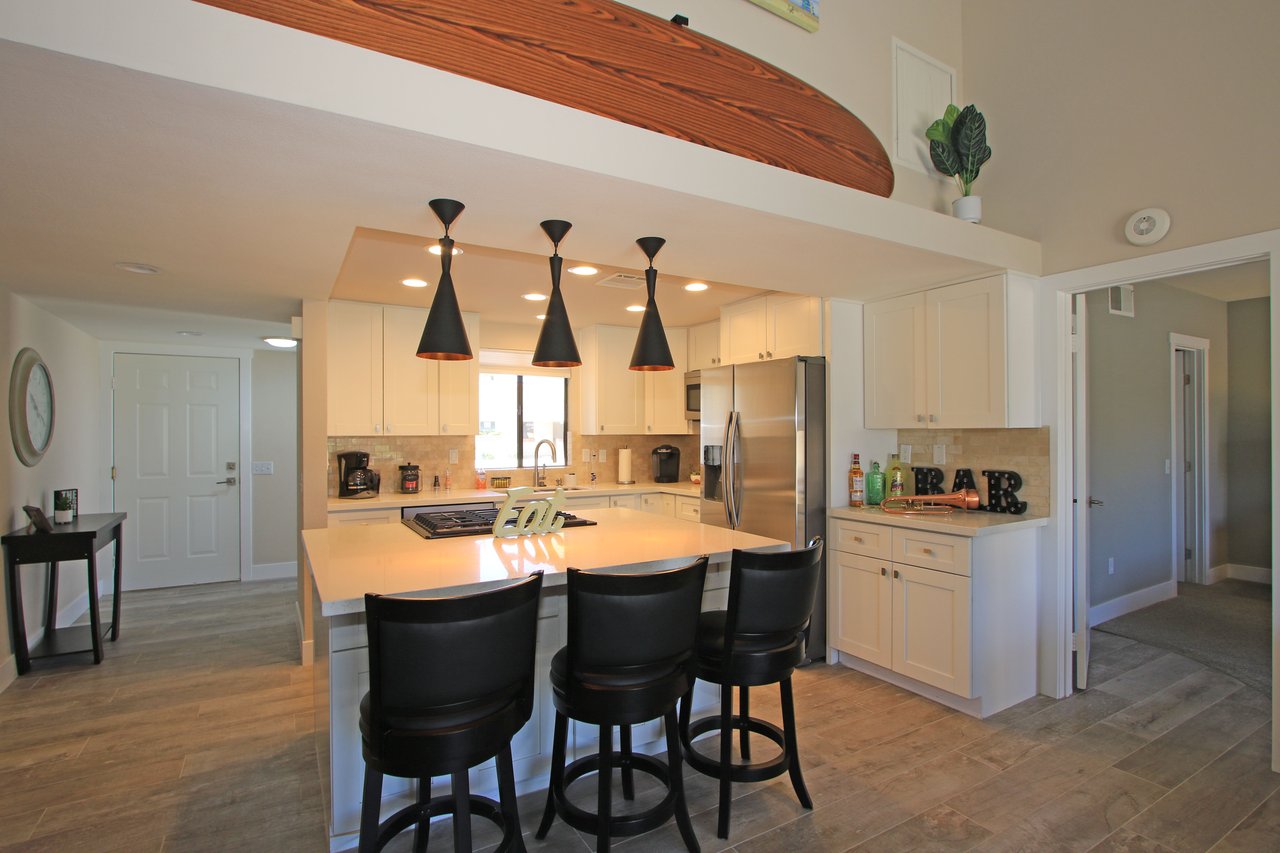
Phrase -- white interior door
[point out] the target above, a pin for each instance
(1081, 500)
(177, 454)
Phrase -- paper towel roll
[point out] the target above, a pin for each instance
(624, 465)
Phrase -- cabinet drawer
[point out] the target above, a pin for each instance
(689, 509)
(858, 537)
(931, 551)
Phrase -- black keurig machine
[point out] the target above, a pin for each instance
(666, 464)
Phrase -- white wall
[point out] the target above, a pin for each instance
(275, 440)
(73, 459)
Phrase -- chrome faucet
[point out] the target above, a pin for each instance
(540, 474)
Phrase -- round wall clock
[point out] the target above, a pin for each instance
(30, 406)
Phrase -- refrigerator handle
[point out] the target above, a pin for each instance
(727, 479)
(735, 465)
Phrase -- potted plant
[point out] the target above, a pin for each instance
(958, 148)
(62, 509)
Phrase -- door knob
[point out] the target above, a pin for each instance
(1094, 501)
(230, 481)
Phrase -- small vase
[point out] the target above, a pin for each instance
(62, 516)
(968, 208)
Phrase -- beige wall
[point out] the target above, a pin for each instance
(275, 440)
(73, 459)
(848, 58)
(1096, 109)
(1025, 451)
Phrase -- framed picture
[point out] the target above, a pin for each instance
(39, 520)
(65, 499)
(802, 13)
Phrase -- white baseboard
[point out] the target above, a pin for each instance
(1108, 610)
(8, 672)
(1255, 574)
(272, 571)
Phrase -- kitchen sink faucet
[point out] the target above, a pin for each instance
(540, 474)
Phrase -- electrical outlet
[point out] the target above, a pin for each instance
(604, 456)
(939, 454)
(1111, 565)
(453, 456)
(264, 467)
(586, 455)
(904, 453)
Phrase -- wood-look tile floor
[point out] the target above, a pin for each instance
(196, 734)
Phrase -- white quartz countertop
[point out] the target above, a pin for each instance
(349, 561)
(395, 500)
(959, 523)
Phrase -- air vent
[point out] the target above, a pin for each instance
(623, 281)
(1120, 300)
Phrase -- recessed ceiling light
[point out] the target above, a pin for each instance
(535, 297)
(539, 316)
(583, 269)
(280, 343)
(187, 333)
(415, 282)
(695, 286)
(635, 309)
(434, 249)
(138, 268)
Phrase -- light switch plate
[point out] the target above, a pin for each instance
(604, 456)
(939, 454)
(264, 467)
(586, 455)
(904, 453)
(453, 456)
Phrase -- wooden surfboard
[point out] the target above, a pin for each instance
(614, 61)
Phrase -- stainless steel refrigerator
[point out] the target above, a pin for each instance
(764, 457)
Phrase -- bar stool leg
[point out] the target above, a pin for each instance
(793, 751)
(726, 741)
(557, 774)
(461, 812)
(422, 829)
(604, 789)
(370, 810)
(507, 800)
(677, 783)
(744, 734)
(628, 778)
(686, 712)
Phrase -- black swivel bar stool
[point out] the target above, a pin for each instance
(628, 660)
(450, 683)
(759, 640)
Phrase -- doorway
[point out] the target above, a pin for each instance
(1188, 426)
(175, 466)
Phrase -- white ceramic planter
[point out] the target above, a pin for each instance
(968, 208)
(62, 516)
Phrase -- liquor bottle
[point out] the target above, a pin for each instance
(857, 484)
(875, 485)
(896, 477)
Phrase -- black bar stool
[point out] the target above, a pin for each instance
(450, 683)
(759, 640)
(628, 660)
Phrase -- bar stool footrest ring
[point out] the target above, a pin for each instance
(436, 806)
(619, 825)
(738, 772)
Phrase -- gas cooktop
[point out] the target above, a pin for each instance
(469, 522)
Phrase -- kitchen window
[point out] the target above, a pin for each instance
(520, 405)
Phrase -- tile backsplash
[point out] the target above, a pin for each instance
(431, 453)
(1025, 451)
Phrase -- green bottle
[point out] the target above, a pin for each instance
(875, 485)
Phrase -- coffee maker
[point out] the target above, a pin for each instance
(355, 479)
(666, 464)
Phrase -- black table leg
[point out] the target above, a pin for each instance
(17, 621)
(115, 599)
(95, 618)
(51, 615)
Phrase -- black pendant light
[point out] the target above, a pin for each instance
(444, 337)
(556, 347)
(651, 352)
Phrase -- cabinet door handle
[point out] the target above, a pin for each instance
(926, 550)
(857, 539)
(760, 355)
(377, 428)
(883, 571)
(896, 576)
(919, 419)
(768, 354)
(933, 419)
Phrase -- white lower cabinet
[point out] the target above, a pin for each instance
(690, 509)
(626, 501)
(363, 517)
(658, 503)
(950, 616)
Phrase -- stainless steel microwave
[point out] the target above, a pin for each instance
(693, 395)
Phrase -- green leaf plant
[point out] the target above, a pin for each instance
(958, 145)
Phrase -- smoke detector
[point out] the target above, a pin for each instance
(1147, 226)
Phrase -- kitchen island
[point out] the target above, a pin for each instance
(345, 562)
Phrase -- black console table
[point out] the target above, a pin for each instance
(79, 540)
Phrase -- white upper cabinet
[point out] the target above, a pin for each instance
(378, 385)
(776, 325)
(955, 357)
(611, 395)
(664, 391)
(704, 346)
